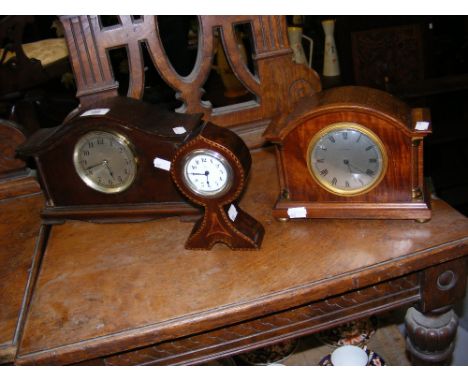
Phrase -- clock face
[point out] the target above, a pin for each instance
(347, 159)
(105, 161)
(207, 173)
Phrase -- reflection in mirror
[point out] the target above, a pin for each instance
(156, 90)
(118, 58)
(179, 38)
(223, 88)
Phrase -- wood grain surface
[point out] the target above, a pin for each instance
(19, 236)
(105, 289)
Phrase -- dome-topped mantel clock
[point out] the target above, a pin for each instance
(351, 152)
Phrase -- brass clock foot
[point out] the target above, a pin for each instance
(422, 220)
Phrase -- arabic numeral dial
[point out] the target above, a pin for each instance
(207, 173)
(105, 161)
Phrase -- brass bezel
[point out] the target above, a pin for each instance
(88, 181)
(362, 129)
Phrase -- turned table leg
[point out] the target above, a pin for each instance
(432, 327)
(430, 336)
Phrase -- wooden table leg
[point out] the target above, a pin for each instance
(430, 336)
(431, 328)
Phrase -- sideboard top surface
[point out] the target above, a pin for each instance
(107, 288)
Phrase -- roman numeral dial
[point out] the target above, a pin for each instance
(347, 159)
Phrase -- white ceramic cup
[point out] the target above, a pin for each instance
(349, 355)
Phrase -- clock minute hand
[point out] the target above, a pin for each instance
(206, 173)
(96, 165)
(357, 168)
(346, 162)
(106, 163)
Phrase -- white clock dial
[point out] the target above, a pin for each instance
(347, 159)
(207, 173)
(105, 161)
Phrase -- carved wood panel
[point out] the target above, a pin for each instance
(277, 83)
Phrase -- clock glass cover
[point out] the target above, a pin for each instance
(105, 161)
(207, 173)
(347, 159)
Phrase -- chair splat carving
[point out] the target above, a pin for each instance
(277, 83)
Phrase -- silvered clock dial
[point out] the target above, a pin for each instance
(347, 159)
(105, 161)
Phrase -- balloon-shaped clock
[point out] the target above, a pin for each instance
(211, 170)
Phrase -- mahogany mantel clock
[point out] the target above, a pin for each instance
(351, 152)
(212, 170)
(111, 162)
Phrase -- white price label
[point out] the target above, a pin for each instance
(179, 130)
(162, 164)
(95, 112)
(422, 125)
(297, 212)
(232, 212)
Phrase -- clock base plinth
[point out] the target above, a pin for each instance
(419, 211)
(242, 233)
(117, 213)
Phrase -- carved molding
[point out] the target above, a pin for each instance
(273, 328)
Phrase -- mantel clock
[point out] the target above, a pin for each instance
(351, 152)
(110, 162)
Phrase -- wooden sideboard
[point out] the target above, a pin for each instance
(21, 244)
(130, 294)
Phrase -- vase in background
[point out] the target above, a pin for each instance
(295, 41)
(331, 65)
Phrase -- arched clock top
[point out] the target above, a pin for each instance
(354, 99)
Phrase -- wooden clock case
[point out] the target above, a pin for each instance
(401, 194)
(218, 224)
(150, 131)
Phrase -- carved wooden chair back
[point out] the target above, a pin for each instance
(276, 84)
